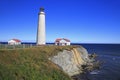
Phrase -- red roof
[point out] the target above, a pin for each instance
(17, 40)
(59, 39)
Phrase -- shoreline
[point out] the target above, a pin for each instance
(92, 66)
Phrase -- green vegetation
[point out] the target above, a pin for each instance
(6, 46)
(31, 64)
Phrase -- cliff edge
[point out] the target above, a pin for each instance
(70, 61)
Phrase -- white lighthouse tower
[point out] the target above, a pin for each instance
(41, 38)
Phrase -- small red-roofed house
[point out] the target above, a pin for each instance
(62, 42)
(14, 42)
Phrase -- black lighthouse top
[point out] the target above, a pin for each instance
(42, 9)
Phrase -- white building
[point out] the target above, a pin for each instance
(14, 42)
(62, 42)
(41, 38)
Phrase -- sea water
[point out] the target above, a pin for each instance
(109, 54)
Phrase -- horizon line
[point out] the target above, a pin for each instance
(71, 42)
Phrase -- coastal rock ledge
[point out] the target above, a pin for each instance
(70, 61)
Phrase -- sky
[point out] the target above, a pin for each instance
(81, 21)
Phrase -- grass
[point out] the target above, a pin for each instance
(31, 64)
(6, 46)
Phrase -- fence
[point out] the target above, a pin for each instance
(6, 46)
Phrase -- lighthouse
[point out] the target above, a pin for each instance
(41, 37)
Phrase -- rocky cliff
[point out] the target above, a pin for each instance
(70, 61)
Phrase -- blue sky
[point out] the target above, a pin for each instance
(82, 21)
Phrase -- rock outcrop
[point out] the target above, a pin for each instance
(70, 61)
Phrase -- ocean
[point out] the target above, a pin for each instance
(109, 54)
